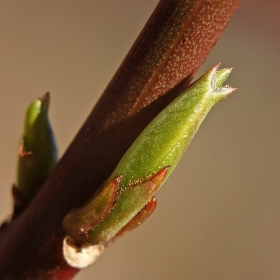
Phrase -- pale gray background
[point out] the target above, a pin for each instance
(218, 216)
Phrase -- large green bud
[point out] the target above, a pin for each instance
(128, 195)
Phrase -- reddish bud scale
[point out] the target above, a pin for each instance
(80, 221)
(133, 205)
(140, 218)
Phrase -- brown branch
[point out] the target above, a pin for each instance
(173, 44)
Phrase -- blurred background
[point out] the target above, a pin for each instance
(218, 216)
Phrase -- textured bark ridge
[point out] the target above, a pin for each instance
(174, 43)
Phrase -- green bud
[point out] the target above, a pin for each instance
(157, 149)
(165, 139)
(38, 154)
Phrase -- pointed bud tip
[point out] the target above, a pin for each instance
(212, 72)
(45, 101)
(117, 179)
(222, 93)
(227, 90)
(221, 76)
(163, 171)
(160, 175)
(217, 66)
(37, 109)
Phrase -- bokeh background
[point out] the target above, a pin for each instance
(218, 216)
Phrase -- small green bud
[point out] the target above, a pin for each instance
(38, 154)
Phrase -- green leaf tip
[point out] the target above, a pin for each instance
(37, 109)
(36, 123)
(221, 76)
(151, 159)
(38, 153)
